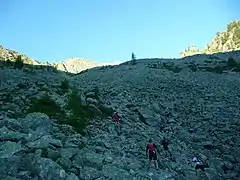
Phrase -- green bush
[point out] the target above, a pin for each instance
(105, 110)
(171, 67)
(46, 105)
(64, 84)
(19, 62)
(154, 66)
(231, 62)
(81, 114)
(213, 57)
(97, 93)
(219, 69)
(216, 69)
(9, 62)
(193, 67)
(75, 104)
(64, 87)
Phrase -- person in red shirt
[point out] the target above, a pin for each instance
(116, 118)
(151, 152)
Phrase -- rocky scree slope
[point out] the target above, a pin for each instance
(228, 40)
(197, 110)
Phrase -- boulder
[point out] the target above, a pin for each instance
(88, 158)
(8, 135)
(8, 149)
(37, 120)
(72, 176)
(45, 142)
(48, 169)
(91, 101)
(89, 173)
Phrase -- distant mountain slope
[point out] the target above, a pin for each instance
(8, 54)
(228, 40)
(73, 65)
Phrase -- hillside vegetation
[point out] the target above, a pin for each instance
(228, 40)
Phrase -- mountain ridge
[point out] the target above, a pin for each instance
(225, 41)
(71, 65)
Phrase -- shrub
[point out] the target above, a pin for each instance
(64, 87)
(219, 69)
(213, 57)
(64, 84)
(155, 66)
(97, 92)
(216, 69)
(176, 69)
(193, 67)
(231, 62)
(19, 62)
(107, 111)
(171, 67)
(46, 105)
(80, 113)
(9, 62)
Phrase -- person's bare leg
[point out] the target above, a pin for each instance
(197, 173)
(207, 175)
(156, 164)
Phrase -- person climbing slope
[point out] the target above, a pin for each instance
(151, 152)
(165, 144)
(200, 164)
(116, 118)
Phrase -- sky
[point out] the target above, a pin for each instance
(110, 30)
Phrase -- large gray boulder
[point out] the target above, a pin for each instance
(48, 169)
(37, 120)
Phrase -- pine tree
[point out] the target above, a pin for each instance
(133, 59)
(19, 62)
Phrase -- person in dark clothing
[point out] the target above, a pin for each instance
(165, 144)
(151, 152)
(200, 164)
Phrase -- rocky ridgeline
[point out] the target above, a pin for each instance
(228, 40)
(8, 54)
(193, 102)
(73, 65)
